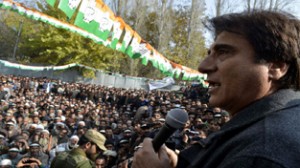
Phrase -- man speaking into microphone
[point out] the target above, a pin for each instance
(253, 71)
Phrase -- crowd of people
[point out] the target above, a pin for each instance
(41, 118)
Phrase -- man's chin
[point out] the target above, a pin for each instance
(213, 102)
(92, 157)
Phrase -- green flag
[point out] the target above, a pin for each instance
(106, 19)
(85, 18)
(68, 6)
(133, 49)
(6, 5)
(177, 72)
(51, 2)
(145, 52)
(161, 66)
(186, 76)
(117, 32)
(155, 58)
(126, 39)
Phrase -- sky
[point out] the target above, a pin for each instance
(294, 8)
(235, 4)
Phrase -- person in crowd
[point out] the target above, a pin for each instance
(64, 147)
(6, 163)
(253, 71)
(90, 145)
(36, 152)
(22, 144)
(101, 161)
(13, 155)
(11, 130)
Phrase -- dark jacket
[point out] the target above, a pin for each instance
(264, 134)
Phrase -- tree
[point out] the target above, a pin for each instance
(269, 4)
(7, 37)
(44, 44)
(196, 41)
(10, 25)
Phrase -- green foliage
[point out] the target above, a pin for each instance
(87, 73)
(53, 46)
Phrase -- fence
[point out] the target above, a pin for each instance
(73, 75)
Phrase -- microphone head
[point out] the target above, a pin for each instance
(176, 118)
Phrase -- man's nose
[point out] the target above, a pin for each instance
(207, 65)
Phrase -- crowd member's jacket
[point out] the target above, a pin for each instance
(264, 134)
(75, 158)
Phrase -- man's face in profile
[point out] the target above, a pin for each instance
(235, 78)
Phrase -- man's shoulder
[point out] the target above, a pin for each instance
(68, 159)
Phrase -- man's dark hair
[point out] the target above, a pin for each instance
(275, 37)
(83, 140)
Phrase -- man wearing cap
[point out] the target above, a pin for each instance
(5, 163)
(90, 145)
(3, 142)
(36, 152)
(12, 132)
(13, 155)
(65, 147)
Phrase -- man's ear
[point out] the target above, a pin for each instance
(88, 145)
(277, 70)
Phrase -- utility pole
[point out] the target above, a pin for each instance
(17, 40)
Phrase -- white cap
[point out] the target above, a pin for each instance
(74, 137)
(34, 145)
(162, 119)
(10, 123)
(46, 131)
(127, 130)
(36, 113)
(5, 162)
(110, 153)
(81, 123)
(60, 123)
(63, 118)
(33, 125)
(13, 150)
(39, 126)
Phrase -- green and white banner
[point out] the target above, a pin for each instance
(6, 5)
(51, 2)
(97, 22)
(69, 6)
(117, 32)
(133, 49)
(105, 18)
(126, 39)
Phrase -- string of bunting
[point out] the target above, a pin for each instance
(96, 21)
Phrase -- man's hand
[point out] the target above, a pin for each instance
(146, 157)
(31, 162)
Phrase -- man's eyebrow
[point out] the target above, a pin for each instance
(223, 46)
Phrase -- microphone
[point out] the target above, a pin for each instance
(175, 119)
